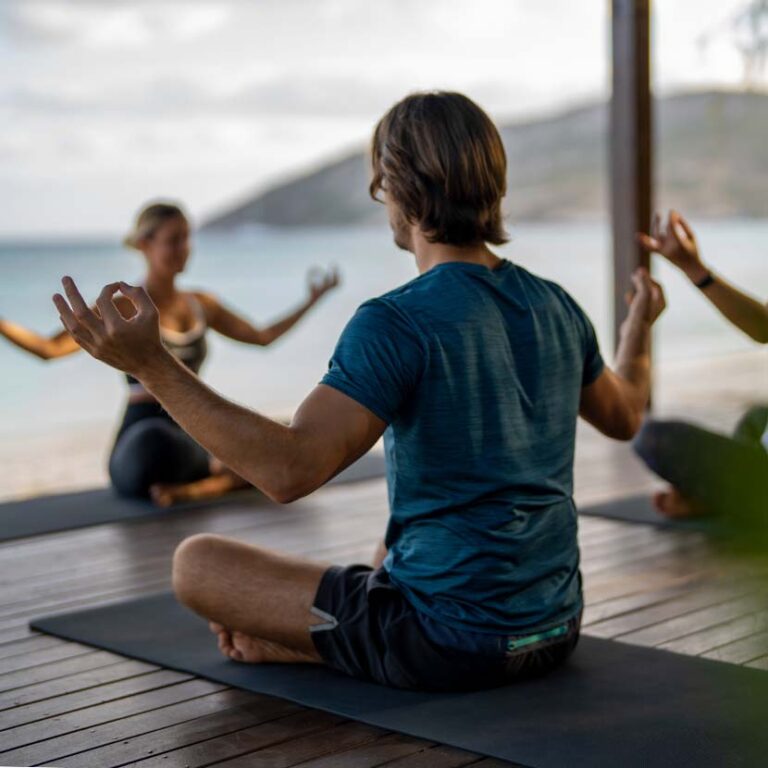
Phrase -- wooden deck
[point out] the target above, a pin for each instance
(66, 704)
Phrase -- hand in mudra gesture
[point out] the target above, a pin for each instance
(646, 300)
(128, 344)
(675, 241)
(320, 282)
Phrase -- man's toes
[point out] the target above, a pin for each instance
(225, 644)
(244, 648)
(223, 638)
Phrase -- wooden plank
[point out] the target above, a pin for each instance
(68, 702)
(26, 645)
(694, 621)
(750, 648)
(57, 669)
(10, 634)
(381, 751)
(438, 756)
(618, 606)
(50, 689)
(283, 742)
(229, 726)
(61, 650)
(112, 710)
(50, 749)
(706, 640)
(655, 614)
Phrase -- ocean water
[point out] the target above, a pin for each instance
(262, 275)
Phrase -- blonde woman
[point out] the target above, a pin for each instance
(152, 456)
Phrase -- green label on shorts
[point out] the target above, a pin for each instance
(515, 643)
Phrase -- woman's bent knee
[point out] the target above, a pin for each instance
(137, 457)
(648, 439)
(155, 451)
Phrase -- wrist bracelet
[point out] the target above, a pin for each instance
(705, 281)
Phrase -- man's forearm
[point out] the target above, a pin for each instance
(633, 358)
(257, 448)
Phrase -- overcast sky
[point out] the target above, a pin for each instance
(106, 103)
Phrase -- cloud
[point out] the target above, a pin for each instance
(116, 24)
(123, 99)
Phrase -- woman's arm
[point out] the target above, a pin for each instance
(677, 243)
(46, 348)
(228, 323)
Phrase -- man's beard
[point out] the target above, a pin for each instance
(401, 231)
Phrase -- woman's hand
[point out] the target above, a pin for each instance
(676, 242)
(320, 282)
(128, 344)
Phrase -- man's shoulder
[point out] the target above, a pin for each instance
(549, 288)
(399, 301)
(390, 313)
(544, 283)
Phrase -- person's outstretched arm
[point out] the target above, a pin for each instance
(45, 347)
(677, 243)
(615, 402)
(228, 323)
(328, 432)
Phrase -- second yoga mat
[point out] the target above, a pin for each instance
(611, 705)
(637, 509)
(63, 512)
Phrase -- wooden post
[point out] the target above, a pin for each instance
(631, 144)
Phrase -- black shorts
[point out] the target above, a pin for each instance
(369, 630)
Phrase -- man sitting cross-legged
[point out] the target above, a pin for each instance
(475, 372)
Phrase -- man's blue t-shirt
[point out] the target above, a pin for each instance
(478, 374)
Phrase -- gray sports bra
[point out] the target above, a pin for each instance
(189, 347)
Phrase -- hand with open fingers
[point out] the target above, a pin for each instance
(128, 344)
(676, 242)
(646, 300)
(320, 282)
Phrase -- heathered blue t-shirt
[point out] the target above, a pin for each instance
(478, 374)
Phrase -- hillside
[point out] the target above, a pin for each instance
(712, 160)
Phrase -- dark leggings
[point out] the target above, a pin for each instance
(152, 448)
(726, 476)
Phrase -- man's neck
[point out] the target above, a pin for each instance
(429, 255)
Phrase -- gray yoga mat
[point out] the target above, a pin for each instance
(611, 705)
(638, 509)
(63, 512)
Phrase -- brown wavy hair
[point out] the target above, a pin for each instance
(440, 159)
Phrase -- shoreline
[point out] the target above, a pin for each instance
(712, 391)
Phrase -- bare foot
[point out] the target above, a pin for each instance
(253, 650)
(168, 494)
(673, 504)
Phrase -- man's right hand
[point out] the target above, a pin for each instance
(647, 301)
(676, 242)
